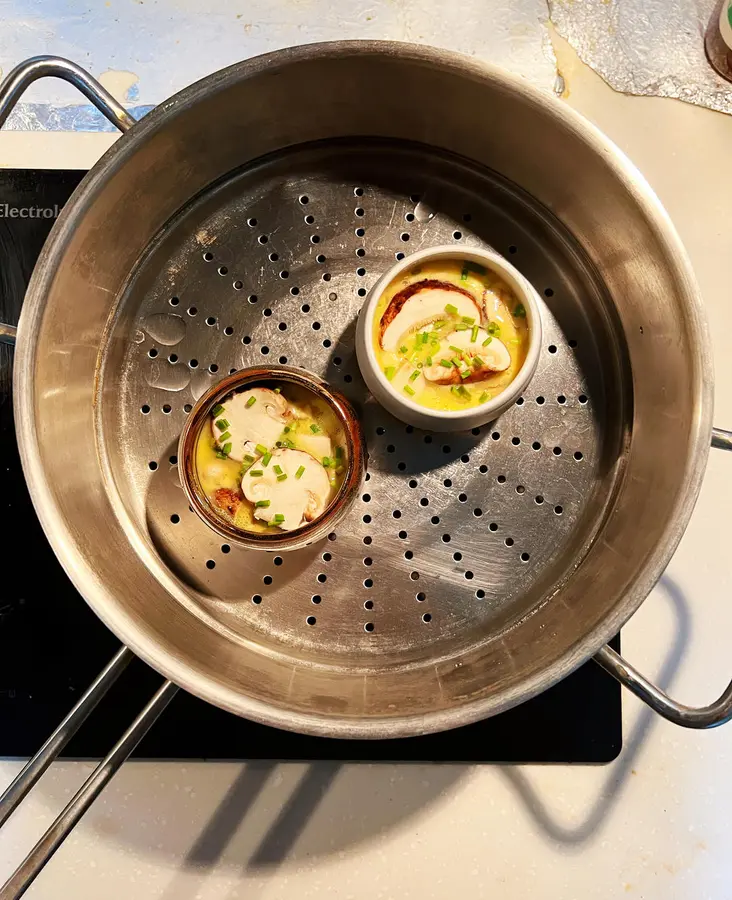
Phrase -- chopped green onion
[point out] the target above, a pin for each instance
(251, 401)
(404, 349)
(261, 449)
(451, 310)
(262, 504)
(217, 410)
(300, 472)
(465, 374)
(287, 444)
(446, 363)
(340, 470)
(456, 362)
(256, 473)
(468, 320)
(327, 462)
(220, 455)
(454, 389)
(282, 477)
(486, 341)
(278, 470)
(248, 458)
(222, 424)
(389, 372)
(439, 323)
(464, 392)
(266, 458)
(474, 334)
(415, 375)
(483, 397)
(520, 311)
(478, 362)
(339, 452)
(278, 390)
(464, 274)
(461, 327)
(455, 349)
(226, 449)
(278, 518)
(494, 329)
(474, 267)
(286, 429)
(429, 360)
(225, 436)
(314, 428)
(408, 390)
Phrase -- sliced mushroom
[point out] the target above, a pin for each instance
(317, 445)
(420, 303)
(494, 357)
(292, 485)
(252, 418)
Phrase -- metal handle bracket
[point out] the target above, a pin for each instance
(716, 713)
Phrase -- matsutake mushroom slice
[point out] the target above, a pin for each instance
(291, 489)
(423, 302)
(249, 420)
(469, 360)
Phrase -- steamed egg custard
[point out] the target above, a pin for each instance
(450, 334)
(271, 459)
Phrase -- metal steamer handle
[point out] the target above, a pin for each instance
(11, 90)
(716, 713)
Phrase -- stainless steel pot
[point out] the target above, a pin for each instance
(247, 215)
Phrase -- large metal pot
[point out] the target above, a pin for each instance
(137, 236)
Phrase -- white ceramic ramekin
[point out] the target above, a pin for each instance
(399, 404)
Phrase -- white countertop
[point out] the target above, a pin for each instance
(655, 824)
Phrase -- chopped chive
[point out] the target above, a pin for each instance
(222, 424)
(278, 470)
(468, 320)
(262, 504)
(520, 311)
(446, 363)
(314, 428)
(282, 477)
(226, 449)
(455, 349)
(300, 472)
(389, 372)
(415, 375)
(339, 452)
(251, 401)
(460, 327)
(327, 462)
(483, 397)
(404, 349)
(486, 341)
(256, 473)
(217, 410)
(429, 360)
(261, 449)
(478, 362)
(278, 518)
(225, 436)
(451, 310)
(266, 458)
(474, 334)
(286, 429)
(408, 390)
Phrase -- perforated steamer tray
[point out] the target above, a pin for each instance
(454, 534)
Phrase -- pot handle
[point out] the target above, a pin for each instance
(716, 713)
(24, 74)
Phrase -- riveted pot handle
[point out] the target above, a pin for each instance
(716, 713)
(24, 74)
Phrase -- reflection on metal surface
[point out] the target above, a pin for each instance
(176, 44)
(647, 47)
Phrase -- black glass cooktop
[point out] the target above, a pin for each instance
(52, 645)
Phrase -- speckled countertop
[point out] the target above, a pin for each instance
(653, 824)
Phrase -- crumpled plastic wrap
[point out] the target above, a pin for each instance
(649, 47)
